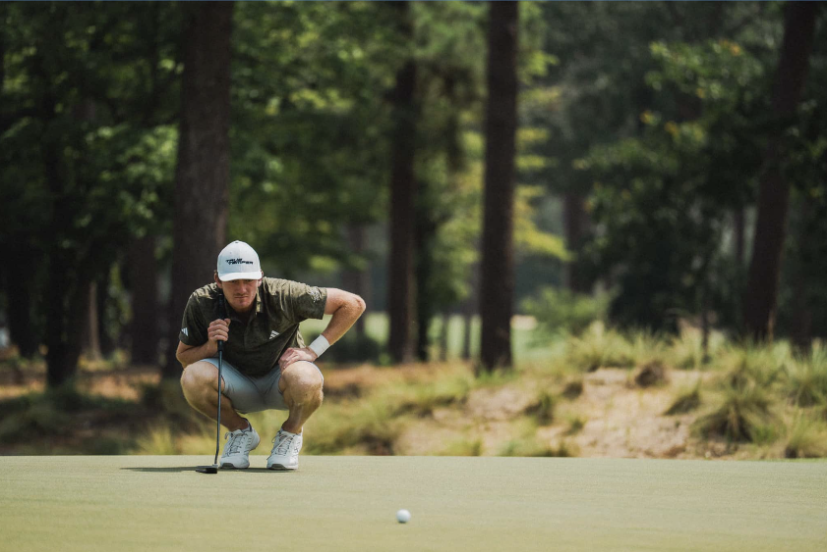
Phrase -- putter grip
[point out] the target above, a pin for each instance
(223, 315)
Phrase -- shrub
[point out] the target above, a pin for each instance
(741, 414)
(599, 347)
(806, 439)
(806, 380)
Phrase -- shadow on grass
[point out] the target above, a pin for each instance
(193, 468)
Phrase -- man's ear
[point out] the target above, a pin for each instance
(216, 279)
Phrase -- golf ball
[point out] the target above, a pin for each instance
(403, 516)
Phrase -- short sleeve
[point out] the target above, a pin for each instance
(193, 329)
(306, 301)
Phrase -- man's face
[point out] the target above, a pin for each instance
(240, 294)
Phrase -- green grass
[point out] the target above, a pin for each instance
(159, 503)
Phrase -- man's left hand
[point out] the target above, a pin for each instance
(296, 355)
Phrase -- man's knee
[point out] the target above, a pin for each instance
(304, 377)
(198, 379)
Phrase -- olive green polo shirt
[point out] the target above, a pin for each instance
(255, 348)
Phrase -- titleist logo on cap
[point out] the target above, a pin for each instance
(238, 261)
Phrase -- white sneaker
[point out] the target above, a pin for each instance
(285, 453)
(239, 444)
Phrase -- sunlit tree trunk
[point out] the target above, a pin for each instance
(202, 178)
(769, 237)
(497, 267)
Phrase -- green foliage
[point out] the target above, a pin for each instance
(562, 311)
(53, 413)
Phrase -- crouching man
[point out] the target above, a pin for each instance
(266, 364)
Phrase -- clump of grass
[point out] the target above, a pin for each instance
(533, 447)
(543, 407)
(576, 424)
(686, 351)
(599, 347)
(763, 366)
(53, 412)
(651, 374)
(741, 414)
(370, 423)
(495, 378)
(806, 381)
(463, 447)
(687, 400)
(645, 348)
(422, 398)
(806, 439)
(159, 440)
(573, 389)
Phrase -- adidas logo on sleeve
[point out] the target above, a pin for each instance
(184, 331)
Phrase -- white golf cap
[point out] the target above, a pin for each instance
(238, 261)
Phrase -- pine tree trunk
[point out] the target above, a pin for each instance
(739, 236)
(143, 277)
(445, 318)
(19, 301)
(497, 268)
(574, 221)
(202, 176)
(401, 290)
(357, 281)
(91, 339)
(801, 325)
(766, 260)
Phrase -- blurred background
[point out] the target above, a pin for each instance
(590, 229)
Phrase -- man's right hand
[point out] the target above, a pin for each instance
(218, 330)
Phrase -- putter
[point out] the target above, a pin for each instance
(215, 467)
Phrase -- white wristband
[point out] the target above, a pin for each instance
(319, 345)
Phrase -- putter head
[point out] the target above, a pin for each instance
(207, 469)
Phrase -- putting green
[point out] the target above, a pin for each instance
(114, 503)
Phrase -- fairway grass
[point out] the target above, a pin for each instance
(115, 503)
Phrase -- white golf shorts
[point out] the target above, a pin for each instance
(251, 394)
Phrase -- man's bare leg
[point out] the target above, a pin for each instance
(301, 386)
(199, 383)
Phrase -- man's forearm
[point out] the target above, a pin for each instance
(343, 318)
(194, 354)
